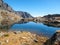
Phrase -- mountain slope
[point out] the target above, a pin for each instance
(5, 6)
(7, 19)
(23, 14)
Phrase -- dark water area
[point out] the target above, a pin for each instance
(38, 28)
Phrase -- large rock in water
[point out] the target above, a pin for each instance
(54, 40)
(7, 19)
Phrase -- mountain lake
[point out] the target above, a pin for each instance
(38, 28)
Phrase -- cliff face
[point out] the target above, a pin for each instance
(7, 7)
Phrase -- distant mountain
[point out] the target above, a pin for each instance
(52, 18)
(52, 15)
(23, 14)
(5, 6)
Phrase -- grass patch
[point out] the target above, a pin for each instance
(6, 35)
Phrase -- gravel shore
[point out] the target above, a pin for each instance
(21, 38)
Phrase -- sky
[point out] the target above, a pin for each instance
(36, 7)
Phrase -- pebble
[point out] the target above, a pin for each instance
(35, 40)
(6, 41)
(1, 34)
(16, 32)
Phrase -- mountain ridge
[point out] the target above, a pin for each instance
(5, 6)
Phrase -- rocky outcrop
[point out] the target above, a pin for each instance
(5, 6)
(54, 40)
(7, 19)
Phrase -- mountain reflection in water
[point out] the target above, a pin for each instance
(38, 28)
(52, 24)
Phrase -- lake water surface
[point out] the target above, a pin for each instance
(38, 28)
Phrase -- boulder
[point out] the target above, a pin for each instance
(54, 40)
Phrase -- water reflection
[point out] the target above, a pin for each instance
(52, 24)
(4, 30)
(22, 22)
(35, 27)
(44, 29)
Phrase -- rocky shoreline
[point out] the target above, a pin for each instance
(27, 38)
(21, 38)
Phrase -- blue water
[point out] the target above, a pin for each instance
(38, 28)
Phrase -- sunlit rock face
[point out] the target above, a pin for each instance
(7, 19)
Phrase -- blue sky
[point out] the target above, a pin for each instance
(36, 7)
